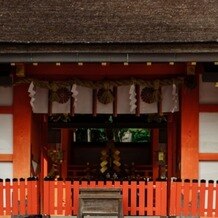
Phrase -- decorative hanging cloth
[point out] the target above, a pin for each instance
(132, 98)
(32, 94)
(174, 98)
(74, 94)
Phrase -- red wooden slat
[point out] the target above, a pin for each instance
(172, 208)
(150, 198)
(109, 184)
(92, 184)
(31, 199)
(84, 184)
(51, 197)
(216, 208)
(133, 191)
(141, 198)
(179, 198)
(100, 184)
(15, 198)
(158, 202)
(202, 198)
(210, 199)
(164, 198)
(194, 199)
(1, 197)
(22, 197)
(186, 205)
(46, 197)
(36, 197)
(68, 198)
(60, 188)
(125, 198)
(8, 197)
(117, 184)
(75, 187)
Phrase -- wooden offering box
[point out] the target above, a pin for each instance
(100, 202)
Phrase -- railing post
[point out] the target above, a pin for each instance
(68, 198)
(1, 197)
(22, 206)
(161, 197)
(46, 196)
(8, 196)
(32, 196)
(216, 207)
(15, 200)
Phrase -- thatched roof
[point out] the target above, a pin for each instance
(115, 21)
(114, 30)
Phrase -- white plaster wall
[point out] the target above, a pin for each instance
(6, 133)
(208, 132)
(6, 96)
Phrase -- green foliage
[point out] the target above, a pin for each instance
(138, 134)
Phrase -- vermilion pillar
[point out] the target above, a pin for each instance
(189, 131)
(22, 115)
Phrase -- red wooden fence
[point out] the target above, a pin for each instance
(139, 198)
(176, 198)
(16, 195)
(193, 198)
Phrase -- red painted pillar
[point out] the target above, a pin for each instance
(65, 141)
(155, 149)
(22, 115)
(189, 131)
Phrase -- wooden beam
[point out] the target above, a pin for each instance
(115, 102)
(208, 108)
(138, 98)
(6, 157)
(208, 156)
(6, 109)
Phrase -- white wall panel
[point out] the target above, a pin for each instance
(6, 134)
(208, 170)
(6, 170)
(208, 132)
(6, 96)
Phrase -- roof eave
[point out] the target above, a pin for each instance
(109, 52)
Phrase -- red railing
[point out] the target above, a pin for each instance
(193, 198)
(159, 198)
(19, 197)
(139, 198)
